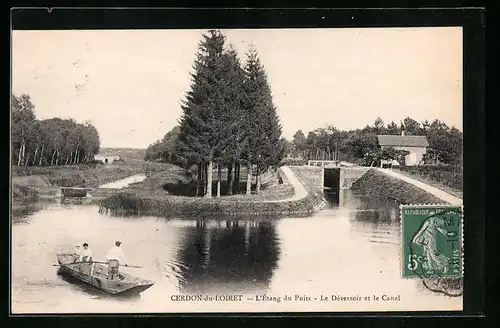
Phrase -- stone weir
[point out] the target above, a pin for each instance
(341, 177)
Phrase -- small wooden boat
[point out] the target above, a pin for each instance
(96, 274)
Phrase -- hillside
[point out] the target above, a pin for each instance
(136, 154)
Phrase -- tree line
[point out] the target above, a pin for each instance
(52, 141)
(228, 120)
(361, 145)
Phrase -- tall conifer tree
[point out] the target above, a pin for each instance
(264, 146)
(203, 124)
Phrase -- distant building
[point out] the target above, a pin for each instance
(106, 159)
(415, 145)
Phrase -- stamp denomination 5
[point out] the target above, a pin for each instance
(432, 241)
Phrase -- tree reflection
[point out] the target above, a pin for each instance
(21, 212)
(228, 256)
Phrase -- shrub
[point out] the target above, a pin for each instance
(129, 204)
(293, 162)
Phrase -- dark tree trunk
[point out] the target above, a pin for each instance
(53, 157)
(236, 184)
(199, 179)
(257, 182)
(205, 176)
(230, 179)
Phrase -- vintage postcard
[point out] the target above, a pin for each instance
(237, 170)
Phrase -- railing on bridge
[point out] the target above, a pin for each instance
(323, 163)
(67, 192)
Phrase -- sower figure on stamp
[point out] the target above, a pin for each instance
(427, 238)
(115, 257)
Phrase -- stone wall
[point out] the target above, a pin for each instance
(349, 175)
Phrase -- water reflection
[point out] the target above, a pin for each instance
(365, 208)
(377, 232)
(228, 255)
(332, 198)
(22, 212)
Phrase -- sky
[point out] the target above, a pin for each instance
(129, 83)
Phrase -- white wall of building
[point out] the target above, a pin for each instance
(415, 154)
(110, 159)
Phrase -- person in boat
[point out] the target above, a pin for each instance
(86, 258)
(86, 254)
(115, 258)
(77, 252)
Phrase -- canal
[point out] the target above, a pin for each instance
(124, 182)
(349, 248)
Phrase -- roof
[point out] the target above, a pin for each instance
(405, 141)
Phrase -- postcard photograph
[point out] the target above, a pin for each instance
(237, 170)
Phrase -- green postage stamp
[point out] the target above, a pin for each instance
(432, 237)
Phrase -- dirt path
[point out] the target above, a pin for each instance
(300, 191)
(432, 190)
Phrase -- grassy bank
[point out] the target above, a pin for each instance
(310, 177)
(172, 181)
(378, 184)
(137, 200)
(446, 178)
(24, 193)
(178, 206)
(82, 175)
(31, 180)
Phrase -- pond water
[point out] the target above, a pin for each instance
(350, 248)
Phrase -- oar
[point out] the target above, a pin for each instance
(69, 263)
(132, 266)
(127, 266)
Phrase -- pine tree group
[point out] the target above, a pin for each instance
(229, 119)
